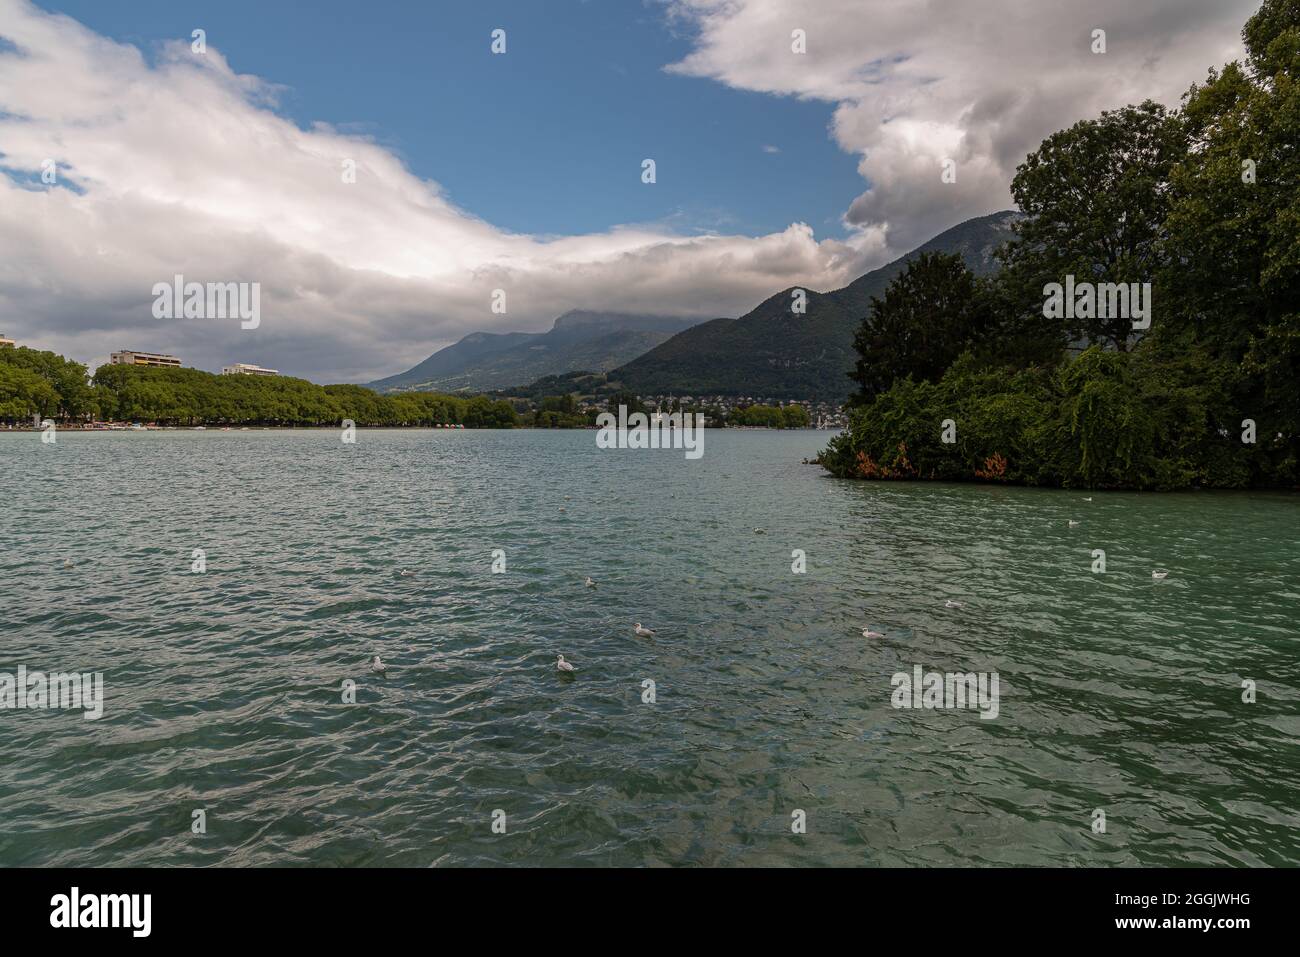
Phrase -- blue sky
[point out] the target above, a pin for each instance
(518, 172)
(546, 139)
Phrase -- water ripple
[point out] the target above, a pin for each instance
(225, 689)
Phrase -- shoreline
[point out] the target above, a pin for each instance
(27, 429)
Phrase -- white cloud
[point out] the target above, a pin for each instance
(182, 166)
(981, 83)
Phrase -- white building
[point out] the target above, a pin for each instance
(126, 357)
(245, 368)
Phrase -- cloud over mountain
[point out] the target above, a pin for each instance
(171, 162)
(180, 165)
(979, 83)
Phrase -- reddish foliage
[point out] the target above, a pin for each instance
(995, 468)
(869, 468)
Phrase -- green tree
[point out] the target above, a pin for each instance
(23, 394)
(191, 397)
(625, 398)
(74, 396)
(1096, 196)
(794, 417)
(929, 314)
(1234, 229)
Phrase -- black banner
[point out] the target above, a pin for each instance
(213, 906)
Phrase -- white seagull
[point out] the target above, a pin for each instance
(952, 604)
(642, 632)
(377, 666)
(406, 573)
(1159, 576)
(1088, 499)
(561, 665)
(589, 583)
(1073, 523)
(868, 633)
(67, 563)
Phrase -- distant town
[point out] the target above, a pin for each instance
(564, 408)
(821, 415)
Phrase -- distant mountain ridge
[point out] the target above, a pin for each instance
(770, 352)
(579, 340)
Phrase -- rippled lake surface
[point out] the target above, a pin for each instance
(223, 690)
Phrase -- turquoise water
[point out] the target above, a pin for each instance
(1118, 692)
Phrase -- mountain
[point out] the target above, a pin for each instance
(772, 353)
(578, 340)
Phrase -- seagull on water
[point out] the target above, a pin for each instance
(67, 563)
(377, 666)
(952, 604)
(1159, 576)
(642, 632)
(406, 572)
(1073, 523)
(561, 665)
(868, 633)
(589, 583)
(1088, 499)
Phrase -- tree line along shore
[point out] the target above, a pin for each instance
(1193, 382)
(1196, 212)
(37, 385)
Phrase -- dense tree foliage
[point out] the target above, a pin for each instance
(561, 412)
(48, 385)
(1105, 420)
(772, 417)
(929, 314)
(1234, 224)
(1096, 198)
(24, 394)
(627, 399)
(1202, 203)
(42, 383)
(190, 397)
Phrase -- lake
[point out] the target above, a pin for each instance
(756, 727)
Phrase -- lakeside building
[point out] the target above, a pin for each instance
(821, 414)
(127, 357)
(6, 342)
(246, 368)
